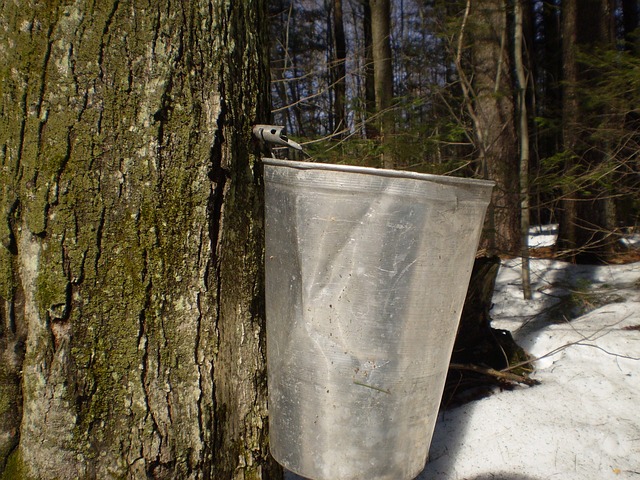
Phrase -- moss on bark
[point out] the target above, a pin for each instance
(133, 226)
(15, 468)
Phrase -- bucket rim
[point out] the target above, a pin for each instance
(382, 172)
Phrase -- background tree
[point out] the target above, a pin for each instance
(131, 312)
(383, 73)
(587, 215)
(492, 102)
(339, 70)
(454, 103)
(369, 81)
(523, 139)
(300, 67)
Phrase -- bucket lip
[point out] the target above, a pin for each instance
(382, 172)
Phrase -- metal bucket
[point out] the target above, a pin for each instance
(366, 275)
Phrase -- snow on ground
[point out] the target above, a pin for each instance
(543, 235)
(582, 422)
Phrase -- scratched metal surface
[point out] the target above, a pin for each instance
(366, 274)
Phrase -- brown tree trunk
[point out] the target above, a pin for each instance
(371, 130)
(523, 141)
(495, 128)
(131, 251)
(567, 237)
(481, 352)
(339, 68)
(383, 73)
(586, 211)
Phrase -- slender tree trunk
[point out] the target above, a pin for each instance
(132, 240)
(371, 130)
(339, 68)
(383, 73)
(570, 114)
(492, 97)
(523, 138)
(280, 66)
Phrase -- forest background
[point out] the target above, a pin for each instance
(540, 96)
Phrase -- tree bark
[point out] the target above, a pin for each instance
(371, 129)
(585, 216)
(339, 69)
(523, 141)
(495, 121)
(383, 73)
(131, 236)
(481, 352)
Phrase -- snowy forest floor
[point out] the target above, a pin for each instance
(582, 421)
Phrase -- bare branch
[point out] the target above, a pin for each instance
(501, 375)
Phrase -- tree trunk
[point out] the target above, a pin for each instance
(339, 68)
(523, 141)
(131, 231)
(494, 109)
(371, 130)
(481, 352)
(383, 73)
(586, 211)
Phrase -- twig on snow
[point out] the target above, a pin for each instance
(501, 375)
